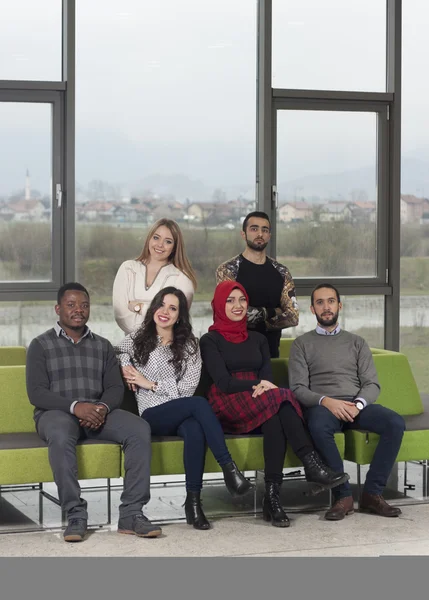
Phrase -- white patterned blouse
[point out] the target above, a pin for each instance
(159, 368)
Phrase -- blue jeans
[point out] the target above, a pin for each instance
(374, 418)
(193, 420)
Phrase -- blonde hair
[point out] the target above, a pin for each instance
(178, 256)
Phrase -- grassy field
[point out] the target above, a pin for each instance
(325, 251)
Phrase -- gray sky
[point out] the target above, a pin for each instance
(169, 86)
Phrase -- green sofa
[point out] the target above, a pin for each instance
(12, 355)
(24, 456)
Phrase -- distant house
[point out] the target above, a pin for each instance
(98, 211)
(295, 212)
(175, 211)
(6, 212)
(362, 212)
(334, 211)
(25, 210)
(413, 208)
(201, 211)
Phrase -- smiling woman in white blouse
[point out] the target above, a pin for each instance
(162, 262)
(161, 363)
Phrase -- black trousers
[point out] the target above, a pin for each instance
(285, 426)
(273, 339)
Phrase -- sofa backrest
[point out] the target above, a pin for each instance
(16, 412)
(398, 387)
(12, 355)
(285, 344)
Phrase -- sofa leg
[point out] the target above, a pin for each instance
(359, 483)
(109, 502)
(425, 478)
(40, 504)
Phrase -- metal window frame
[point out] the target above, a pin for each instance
(62, 96)
(266, 97)
(380, 109)
(41, 290)
(269, 100)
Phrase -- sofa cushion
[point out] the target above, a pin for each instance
(24, 459)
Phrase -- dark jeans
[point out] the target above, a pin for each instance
(61, 431)
(374, 418)
(193, 420)
(282, 427)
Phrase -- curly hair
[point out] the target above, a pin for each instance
(184, 342)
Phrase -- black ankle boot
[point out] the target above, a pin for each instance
(236, 483)
(271, 508)
(194, 511)
(317, 472)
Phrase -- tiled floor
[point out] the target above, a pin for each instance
(243, 533)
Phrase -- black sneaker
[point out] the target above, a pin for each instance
(138, 525)
(75, 530)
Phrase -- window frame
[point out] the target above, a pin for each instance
(284, 101)
(43, 290)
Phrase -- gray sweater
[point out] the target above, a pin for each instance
(339, 366)
(60, 372)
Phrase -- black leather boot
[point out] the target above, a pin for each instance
(271, 508)
(236, 483)
(317, 472)
(194, 511)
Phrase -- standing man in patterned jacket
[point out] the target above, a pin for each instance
(269, 284)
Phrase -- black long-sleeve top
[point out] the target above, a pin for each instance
(221, 358)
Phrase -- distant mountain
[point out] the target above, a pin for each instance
(354, 184)
(183, 168)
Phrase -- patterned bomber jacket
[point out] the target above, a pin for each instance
(228, 271)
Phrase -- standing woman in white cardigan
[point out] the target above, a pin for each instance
(162, 262)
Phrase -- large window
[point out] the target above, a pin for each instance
(26, 192)
(30, 174)
(327, 193)
(415, 193)
(30, 40)
(165, 126)
(332, 45)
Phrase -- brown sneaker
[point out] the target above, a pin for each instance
(340, 508)
(377, 505)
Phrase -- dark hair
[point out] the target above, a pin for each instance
(145, 339)
(257, 214)
(325, 285)
(72, 285)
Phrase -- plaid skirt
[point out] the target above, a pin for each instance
(241, 413)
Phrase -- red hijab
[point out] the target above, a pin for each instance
(232, 331)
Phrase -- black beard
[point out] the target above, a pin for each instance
(328, 322)
(256, 247)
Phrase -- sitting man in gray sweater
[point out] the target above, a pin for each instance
(75, 385)
(332, 373)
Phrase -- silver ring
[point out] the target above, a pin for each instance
(97, 410)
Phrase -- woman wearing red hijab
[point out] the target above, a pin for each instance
(245, 400)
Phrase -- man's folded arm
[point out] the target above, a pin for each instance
(299, 379)
(38, 384)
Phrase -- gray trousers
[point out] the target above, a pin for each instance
(61, 431)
